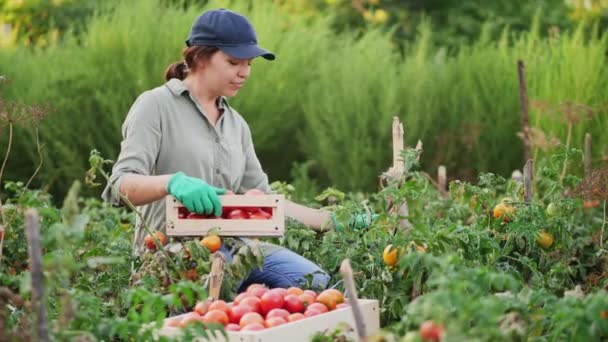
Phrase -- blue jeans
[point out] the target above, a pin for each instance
(282, 268)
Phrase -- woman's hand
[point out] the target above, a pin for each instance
(196, 195)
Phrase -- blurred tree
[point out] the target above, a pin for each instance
(41, 22)
(456, 21)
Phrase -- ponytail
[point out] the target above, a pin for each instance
(192, 55)
(177, 70)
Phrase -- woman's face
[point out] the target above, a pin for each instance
(223, 74)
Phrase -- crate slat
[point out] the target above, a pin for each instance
(302, 330)
(272, 227)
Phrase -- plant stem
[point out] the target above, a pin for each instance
(603, 226)
(8, 151)
(568, 137)
(159, 246)
(10, 220)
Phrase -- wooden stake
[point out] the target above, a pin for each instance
(528, 178)
(216, 276)
(587, 161)
(442, 181)
(351, 292)
(398, 145)
(523, 99)
(32, 232)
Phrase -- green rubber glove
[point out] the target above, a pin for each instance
(196, 195)
(359, 221)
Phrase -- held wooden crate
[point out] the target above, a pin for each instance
(304, 329)
(275, 226)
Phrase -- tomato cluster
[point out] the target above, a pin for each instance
(232, 213)
(229, 213)
(261, 308)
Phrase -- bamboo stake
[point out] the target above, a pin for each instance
(216, 276)
(442, 181)
(523, 98)
(587, 161)
(32, 232)
(528, 179)
(351, 291)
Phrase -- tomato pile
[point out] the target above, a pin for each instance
(261, 308)
(232, 213)
(229, 213)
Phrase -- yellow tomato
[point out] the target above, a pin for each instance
(544, 239)
(390, 256)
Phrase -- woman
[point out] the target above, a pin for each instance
(184, 139)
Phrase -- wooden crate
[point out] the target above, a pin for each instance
(302, 330)
(274, 226)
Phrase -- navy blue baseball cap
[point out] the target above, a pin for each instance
(230, 32)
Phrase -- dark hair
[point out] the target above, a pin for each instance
(192, 55)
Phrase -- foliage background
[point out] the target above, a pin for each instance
(324, 107)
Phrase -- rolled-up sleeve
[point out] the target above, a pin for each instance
(141, 138)
(254, 176)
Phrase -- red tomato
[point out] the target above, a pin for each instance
(259, 291)
(311, 293)
(258, 214)
(237, 214)
(219, 305)
(149, 241)
(253, 302)
(237, 312)
(254, 286)
(274, 321)
(295, 317)
(195, 216)
(202, 307)
(281, 291)
(306, 299)
(431, 331)
(253, 327)
(328, 299)
(240, 297)
(189, 318)
(271, 300)
(215, 317)
(232, 327)
(172, 322)
(338, 296)
(312, 312)
(277, 313)
(250, 318)
(293, 303)
(317, 307)
(295, 290)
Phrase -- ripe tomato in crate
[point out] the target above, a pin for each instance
(268, 315)
(242, 215)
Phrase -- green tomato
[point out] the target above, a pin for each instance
(552, 210)
(411, 336)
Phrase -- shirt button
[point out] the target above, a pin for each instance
(217, 171)
(217, 140)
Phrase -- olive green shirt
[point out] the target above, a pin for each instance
(166, 131)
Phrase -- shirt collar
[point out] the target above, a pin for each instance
(177, 87)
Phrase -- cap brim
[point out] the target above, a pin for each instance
(247, 52)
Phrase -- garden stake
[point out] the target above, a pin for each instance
(32, 232)
(216, 275)
(442, 181)
(523, 98)
(351, 291)
(528, 179)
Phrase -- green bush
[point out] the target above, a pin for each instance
(328, 98)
